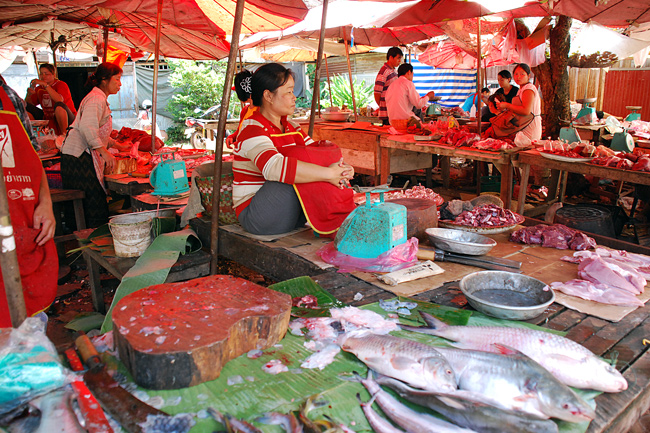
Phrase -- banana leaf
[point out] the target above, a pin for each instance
(245, 391)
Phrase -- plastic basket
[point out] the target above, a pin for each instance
(226, 212)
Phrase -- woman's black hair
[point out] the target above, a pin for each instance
(496, 96)
(505, 74)
(104, 72)
(269, 77)
(243, 85)
(47, 66)
(523, 66)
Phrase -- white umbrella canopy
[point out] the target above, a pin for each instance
(297, 49)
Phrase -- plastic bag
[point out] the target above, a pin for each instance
(399, 257)
(29, 364)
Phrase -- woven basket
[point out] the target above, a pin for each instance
(226, 212)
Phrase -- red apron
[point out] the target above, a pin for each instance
(23, 171)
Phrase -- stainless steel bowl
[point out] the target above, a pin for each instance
(336, 116)
(459, 241)
(506, 295)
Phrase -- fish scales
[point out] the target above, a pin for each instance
(570, 362)
(415, 363)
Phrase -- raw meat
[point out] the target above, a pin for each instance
(597, 270)
(598, 292)
(488, 216)
(555, 236)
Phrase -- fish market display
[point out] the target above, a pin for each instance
(570, 362)
(232, 424)
(489, 215)
(406, 417)
(597, 292)
(378, 423)
(513, 381)
(288, 421)
(471, 414)
(553, 236)
(417, 364)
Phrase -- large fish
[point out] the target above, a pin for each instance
(378, 423)
(415, 363)
(570, 362)
(464, 412)
(514, 381)
(405, 417)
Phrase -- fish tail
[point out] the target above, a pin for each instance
(432, 322)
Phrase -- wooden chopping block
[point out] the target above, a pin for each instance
(421, 214)
(175, 335)
(123, 165)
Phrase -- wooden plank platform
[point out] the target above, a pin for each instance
(615, 413)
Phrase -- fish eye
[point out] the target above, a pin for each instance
(449, 372)
(565, 406)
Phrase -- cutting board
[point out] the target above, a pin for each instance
(175, 335)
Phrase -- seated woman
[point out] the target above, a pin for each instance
(54, 98)
(507, 89)
(264, 196)
(526, 102)
(85, 149)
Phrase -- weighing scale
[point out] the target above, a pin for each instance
(635, 113)
(169, 177)
(622, 141)
(372, 229)
(587, 113)
(569, 134)
(434, 109)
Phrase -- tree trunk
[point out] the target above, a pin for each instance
(553, 78)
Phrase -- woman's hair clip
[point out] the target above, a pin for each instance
(246, 84)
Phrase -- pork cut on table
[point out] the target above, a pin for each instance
(598, 292)
(553, 236)
(597, 270)
(631, 261)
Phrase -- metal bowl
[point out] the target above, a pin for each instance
(506, 295)
(335, 116)
(459, 241)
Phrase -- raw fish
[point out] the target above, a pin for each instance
(570, 362)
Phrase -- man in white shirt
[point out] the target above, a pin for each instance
(401, 95)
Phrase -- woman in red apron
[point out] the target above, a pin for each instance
(30, 208)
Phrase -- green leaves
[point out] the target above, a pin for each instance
(341, 94)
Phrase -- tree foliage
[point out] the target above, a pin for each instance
(341, 94)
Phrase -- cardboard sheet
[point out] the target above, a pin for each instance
(236, 228)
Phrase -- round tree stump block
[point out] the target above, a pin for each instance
(176, 335)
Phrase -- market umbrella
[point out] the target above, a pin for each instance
(293, 48)
(619, 13)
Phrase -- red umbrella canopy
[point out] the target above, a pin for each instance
(619, 13)
(134, 29)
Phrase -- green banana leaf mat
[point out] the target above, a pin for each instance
(255, 392)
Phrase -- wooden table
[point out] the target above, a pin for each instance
(127, 185)
(188, 266)
(406, 143)
(532, 157)
(362, 150)
(615, 413)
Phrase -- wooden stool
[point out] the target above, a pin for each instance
(61, 196)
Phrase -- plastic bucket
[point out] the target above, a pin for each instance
(131, 234)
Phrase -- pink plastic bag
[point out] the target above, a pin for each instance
(399, 257)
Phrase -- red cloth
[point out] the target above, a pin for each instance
(23, 173)
(42, 98)
(325, 205)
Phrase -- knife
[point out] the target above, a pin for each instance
(487, 259)
(121, 404)
(485, 262)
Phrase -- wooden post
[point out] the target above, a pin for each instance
(319, 56)
(354, 102)
(478, 76)
(9, 260)
(53, 47)
(106, 43)
(221, 132)
(154, 96)
(329, 84)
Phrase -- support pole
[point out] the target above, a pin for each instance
(9, 261)
(154, 96)
(478, 74)
(53, 46)
(221, 132)
(319, 56)
(329, 84)
(354, 102)
(106, 42)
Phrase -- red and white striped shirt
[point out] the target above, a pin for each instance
(257, 157)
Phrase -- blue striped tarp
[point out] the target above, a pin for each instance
(453, 85)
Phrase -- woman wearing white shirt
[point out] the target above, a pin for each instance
(527, 101)
(85, 154)
(401, 96)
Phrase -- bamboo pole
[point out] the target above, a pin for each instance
(9, 260)
(329, 84)
(321, 42)
(154, 96)
(478, 74)
(354, 102)
(221, 132)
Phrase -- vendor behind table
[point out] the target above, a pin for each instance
(385, 77)
(402, 96)
(53, 96)
(527, 102)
